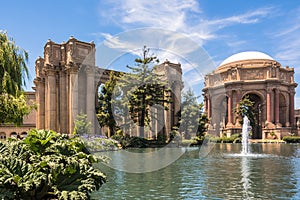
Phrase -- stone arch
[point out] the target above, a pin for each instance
(258, 105)
(219, 112)
(2, 135)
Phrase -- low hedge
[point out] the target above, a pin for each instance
(291, 139)
(235, 138)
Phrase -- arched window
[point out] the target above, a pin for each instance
(24, 134)
(13, 134)
(2, 135)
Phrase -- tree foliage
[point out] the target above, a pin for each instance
(192, 117)
(203, 120)
(82, 125)
(104, 110)
(47, 165)
(142, 88)
(13, 69)
(13, 109)
(245, 108)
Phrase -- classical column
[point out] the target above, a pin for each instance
(229, 110)
(90, 96)
(238, 99)
(63, 114)
(40, 99)
(208, 107)
(51, 114)
(72, 96)
(292, 109)
(276, 109)
(269, 105)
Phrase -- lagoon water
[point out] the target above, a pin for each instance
(272, 171)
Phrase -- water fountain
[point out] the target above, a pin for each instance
(245, 136)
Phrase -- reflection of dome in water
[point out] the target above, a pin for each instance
(247, 55)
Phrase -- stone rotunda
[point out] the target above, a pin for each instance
(269, 85)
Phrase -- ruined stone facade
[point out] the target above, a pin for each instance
(269, 85)
(67, 82)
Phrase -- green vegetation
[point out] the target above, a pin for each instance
(95, 143)
(141, 89)
(82, 125)
(245, 108)
(47, 165)
(291, 139)
(235, 138)
(104, 109)
(13, 71)
(192, 117)
(13, 67)
(13, 109)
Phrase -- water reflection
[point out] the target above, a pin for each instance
(245, 172)
(216, 176)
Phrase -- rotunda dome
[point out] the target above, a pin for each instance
(247, 55)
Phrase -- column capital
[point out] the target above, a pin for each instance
(72, 68)
(90, 69)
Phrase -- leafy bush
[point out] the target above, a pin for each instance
(138, 142)
(123, 140)
(100, 143)
(47, 165)
(291, 139)
(235, 138)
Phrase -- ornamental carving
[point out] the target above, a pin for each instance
(253, 74)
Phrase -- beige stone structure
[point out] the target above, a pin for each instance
(67, 82)
(269, 85)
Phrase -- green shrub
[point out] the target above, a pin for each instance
(47, 165)
(123, 140)
(100, 143)
(291, 139)
(235, 138)
(137, 142)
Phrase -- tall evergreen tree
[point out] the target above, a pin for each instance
(190, 114)
(143, 88)
(203, 120)
(104, 109)
(13, 69)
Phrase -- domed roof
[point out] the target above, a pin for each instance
(247, 55)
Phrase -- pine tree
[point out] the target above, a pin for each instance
(105, 114)
(190, 114)
(143, 88)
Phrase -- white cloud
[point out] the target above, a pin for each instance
(176, 15)
(287, 41)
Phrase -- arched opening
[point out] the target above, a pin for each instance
(13, 134)
(2, 136)
(256, 122)
(219, 113)
(23, 134)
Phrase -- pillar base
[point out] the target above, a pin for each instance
(269, 125)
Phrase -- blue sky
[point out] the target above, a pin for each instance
(216, 29)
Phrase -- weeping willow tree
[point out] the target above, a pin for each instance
(13, 74)
(13, 69)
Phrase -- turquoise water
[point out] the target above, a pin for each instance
(271, 172)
